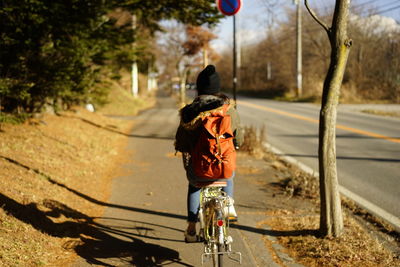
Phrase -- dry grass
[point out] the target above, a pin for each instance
(41, 161)
(253, 141)
(53, 169)
(297, 183)
(297, 229)
(382, 113)
(122, 103)
(358, 245)
(355, 247)
(300, 184)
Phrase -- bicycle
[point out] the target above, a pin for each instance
(214, 224)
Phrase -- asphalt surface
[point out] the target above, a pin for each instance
(368, 146)
(145, 219)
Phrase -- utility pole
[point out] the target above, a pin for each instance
(134, 75)
(299, 89)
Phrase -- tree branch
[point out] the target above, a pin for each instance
(320, 22)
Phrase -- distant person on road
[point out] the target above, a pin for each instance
(189, 134)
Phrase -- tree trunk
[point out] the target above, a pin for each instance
(331, 219)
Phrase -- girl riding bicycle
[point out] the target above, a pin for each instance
(208, 101)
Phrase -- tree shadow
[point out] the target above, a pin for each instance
(338, 136)
(344, 158)
(96, 243)
(112, 128)
(134, 228)
(177, 216)
(89, 198)
(111, 205)
(277, 233)
(25, 167)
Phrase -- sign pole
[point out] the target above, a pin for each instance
(234, 60)
(230, 8)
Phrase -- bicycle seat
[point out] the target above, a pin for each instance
(211, 184)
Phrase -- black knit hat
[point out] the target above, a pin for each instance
(208, 81)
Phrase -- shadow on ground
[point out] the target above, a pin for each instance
(99, 240)
(112, 129)
(96, 243)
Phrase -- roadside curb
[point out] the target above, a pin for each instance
(280, 252)
(274, 251)
(363, 203)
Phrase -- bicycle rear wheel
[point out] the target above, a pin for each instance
(219, 226)
(215, 256)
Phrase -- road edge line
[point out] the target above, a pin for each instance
(370, 207)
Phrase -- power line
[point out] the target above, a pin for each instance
(377, 7)
(385, 5)
(389, 4)
(324, 5)
(363, 4)
(387, 10)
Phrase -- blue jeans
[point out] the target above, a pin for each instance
(193, 198)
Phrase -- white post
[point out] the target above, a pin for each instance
(149, 79)
(135, 79)
(183, 87)
(269, 74)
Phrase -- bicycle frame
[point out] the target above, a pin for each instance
(214, 225)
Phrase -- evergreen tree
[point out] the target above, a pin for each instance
(52, 52)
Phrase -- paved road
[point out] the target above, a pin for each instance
(146, 213)
(368, 146)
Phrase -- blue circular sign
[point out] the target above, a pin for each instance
(229, 7)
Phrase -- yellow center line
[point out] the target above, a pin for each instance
(338, 126)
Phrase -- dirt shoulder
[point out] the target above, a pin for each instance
(292, 216)
(55, 170)
(42, 163)
(295, 219)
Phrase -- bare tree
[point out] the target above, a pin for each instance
(198, 38)
(374, 77)
(331, 219)
(175, 61)
(182, 48)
